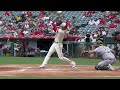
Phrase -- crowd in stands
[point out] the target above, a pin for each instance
(37, 24)
(83, 26)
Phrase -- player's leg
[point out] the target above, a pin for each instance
(105, 64)
(58, 48)
(47, 57)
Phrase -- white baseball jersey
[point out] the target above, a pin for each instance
(59, 35)
(104, 52)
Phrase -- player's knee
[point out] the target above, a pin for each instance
(113, 61)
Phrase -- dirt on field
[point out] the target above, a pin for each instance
(56, 70)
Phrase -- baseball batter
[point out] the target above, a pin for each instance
(57, 46)
(107, 56)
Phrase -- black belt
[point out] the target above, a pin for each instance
(56, 42)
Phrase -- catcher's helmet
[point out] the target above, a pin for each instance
(99, 43)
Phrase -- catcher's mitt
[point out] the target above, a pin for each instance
(85, 52)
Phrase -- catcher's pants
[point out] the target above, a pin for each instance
(56, 47)
(107, 62)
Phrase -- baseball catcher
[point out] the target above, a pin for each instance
(106, 55)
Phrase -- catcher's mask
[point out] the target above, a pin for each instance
(99, 43)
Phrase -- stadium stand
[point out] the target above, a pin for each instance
(37, 24)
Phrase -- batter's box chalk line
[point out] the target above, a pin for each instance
(21, 70)
(50, 69)
(25, 69)
(117, 69)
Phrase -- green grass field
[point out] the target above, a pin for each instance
(38, 60)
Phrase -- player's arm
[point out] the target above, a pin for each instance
(55, 28)
(89, 52)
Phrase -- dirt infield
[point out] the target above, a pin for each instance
(56, 70)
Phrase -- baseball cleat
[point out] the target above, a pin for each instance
(73, 64)
(111, 68)
(42, 67)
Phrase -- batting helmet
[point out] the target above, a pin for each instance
(63, 24)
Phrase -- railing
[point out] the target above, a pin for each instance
(75, 49)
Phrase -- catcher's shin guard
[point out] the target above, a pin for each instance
(96, 67)
(101, 67)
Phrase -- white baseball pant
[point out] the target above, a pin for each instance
(58, 48)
